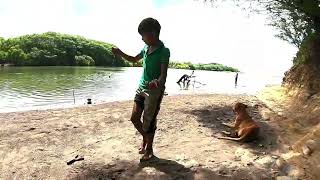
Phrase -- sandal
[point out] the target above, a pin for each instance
(147, 156)
(142, 150)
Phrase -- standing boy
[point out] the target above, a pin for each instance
(152, 84)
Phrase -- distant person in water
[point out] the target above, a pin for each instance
(236, 80)
(185, 79)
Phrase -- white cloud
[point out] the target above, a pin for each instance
(192, 30)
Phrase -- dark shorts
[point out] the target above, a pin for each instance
(150, 102)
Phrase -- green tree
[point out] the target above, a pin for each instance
(16, 56)
(207, 67)
(84, 60)
(58, 49)
(1, 41)
(3, 57)
(3, 54)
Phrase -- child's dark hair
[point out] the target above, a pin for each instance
(149, 25)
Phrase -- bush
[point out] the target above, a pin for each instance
(303, 55)
(84, 60)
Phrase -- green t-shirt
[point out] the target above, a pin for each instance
(152, 63)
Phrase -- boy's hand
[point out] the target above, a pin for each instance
(153, 84)
(116, 51)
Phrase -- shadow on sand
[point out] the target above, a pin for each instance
(213, 116)
(157, 168)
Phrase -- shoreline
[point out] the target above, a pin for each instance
(70, 106)
(114, 89)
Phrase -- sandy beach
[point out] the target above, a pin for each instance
(38, 144)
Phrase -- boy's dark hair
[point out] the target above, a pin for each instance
(149, 25)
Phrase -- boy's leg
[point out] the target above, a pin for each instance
(154, 122)
(151, 110)
(136, 119)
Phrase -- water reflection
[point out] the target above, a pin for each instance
(25, 88)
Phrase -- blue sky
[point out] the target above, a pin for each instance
(161, 3)
(81, 7)
(164, 3)
(194, 31)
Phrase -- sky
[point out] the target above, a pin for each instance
(193, 31)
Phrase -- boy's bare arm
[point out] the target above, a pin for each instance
(117, 51)
(131, 58)
(163, 75)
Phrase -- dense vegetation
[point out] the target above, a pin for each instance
(303, 55)
(207, 67)
(54, 49)
(57, 49)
